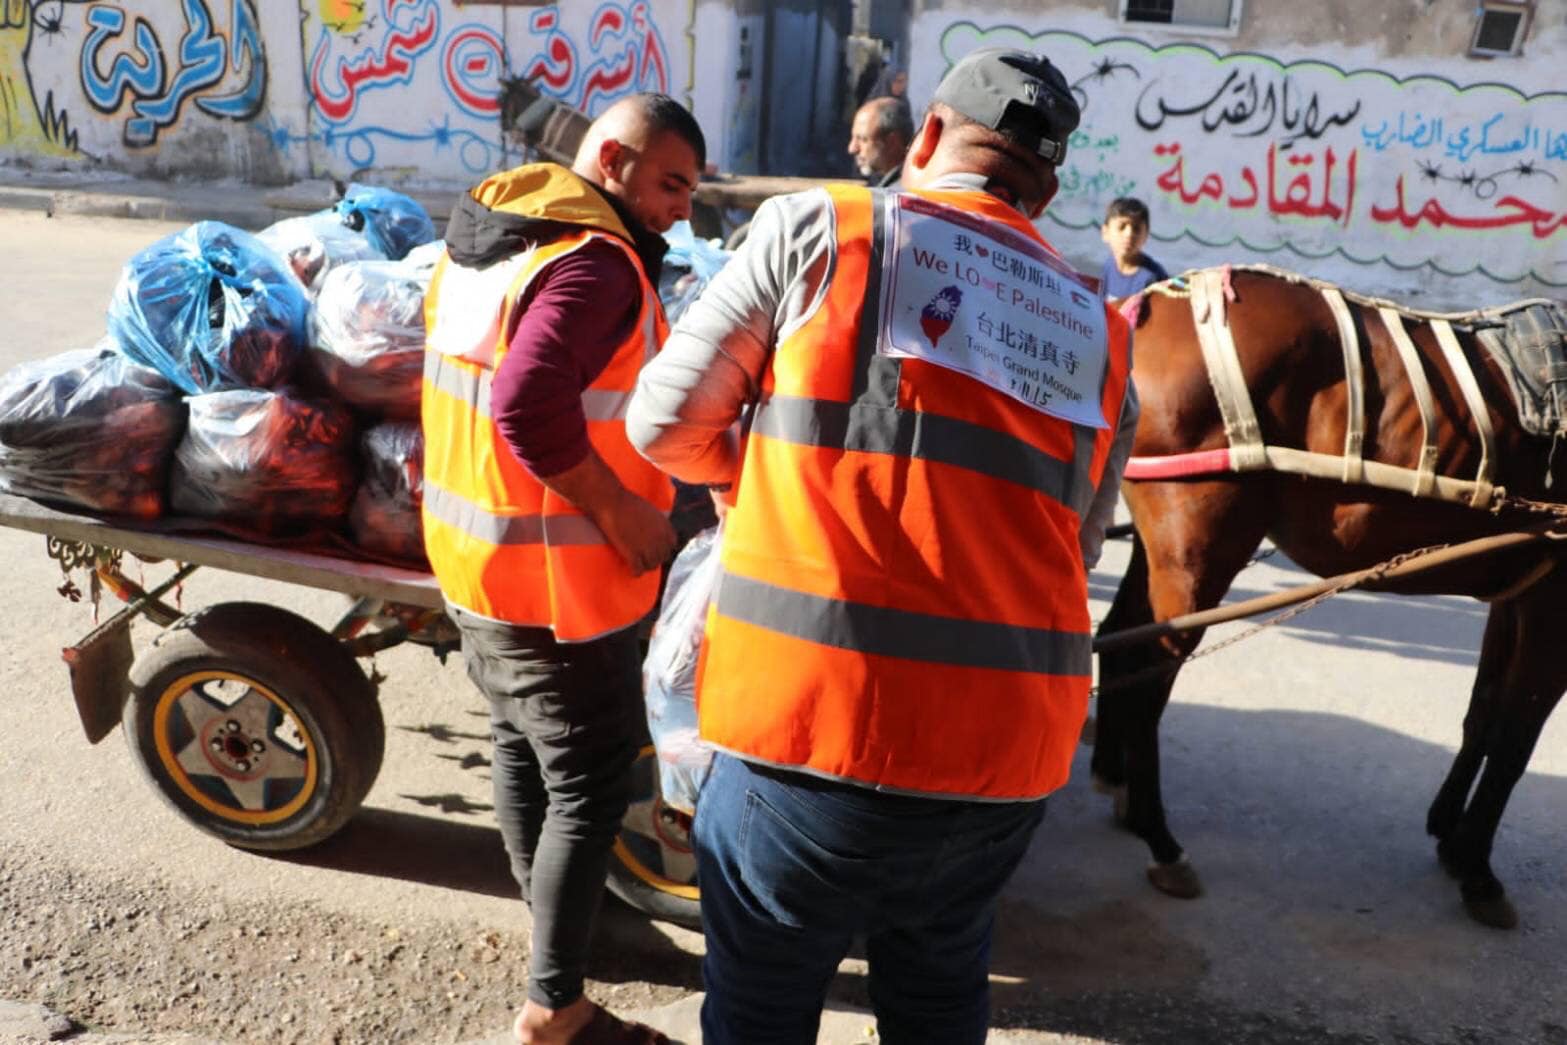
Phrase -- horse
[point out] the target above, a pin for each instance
(1349, 430)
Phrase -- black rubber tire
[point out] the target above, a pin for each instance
(289, 669)
(636, 871)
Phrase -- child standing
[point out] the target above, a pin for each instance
(1127, 270)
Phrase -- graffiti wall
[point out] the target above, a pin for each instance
(313, 87)
(1438, 185)
(80, 79)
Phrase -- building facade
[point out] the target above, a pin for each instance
(1416, 148)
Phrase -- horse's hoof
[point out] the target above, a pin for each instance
(1086, 737)
(1496, 912)
(1178, 879)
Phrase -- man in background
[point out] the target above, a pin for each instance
(879, 139)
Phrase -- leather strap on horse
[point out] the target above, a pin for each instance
(1211, 294)
(1463, 373)
(1354, 385)
(1425, 471)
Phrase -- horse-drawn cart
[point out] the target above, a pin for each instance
(255, 724)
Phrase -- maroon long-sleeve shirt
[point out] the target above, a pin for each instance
(573, 317)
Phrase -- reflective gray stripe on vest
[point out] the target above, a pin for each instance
(875, 429)
(457, 382)
(902, 633)
(554, 530)
(874, 423)
(474, 389)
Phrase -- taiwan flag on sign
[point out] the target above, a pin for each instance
(936, 317)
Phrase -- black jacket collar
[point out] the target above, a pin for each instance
(477, 236)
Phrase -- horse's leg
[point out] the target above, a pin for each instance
(1496, 653)
(1129, 610)
(1195, 538)
(1532, 681)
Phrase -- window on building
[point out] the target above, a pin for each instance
(1206, 16)
(1500, 26)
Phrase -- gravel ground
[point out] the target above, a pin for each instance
(115, 954)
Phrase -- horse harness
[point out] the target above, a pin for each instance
(1527, 339)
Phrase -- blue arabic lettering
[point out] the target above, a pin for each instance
(142, 78)
(205, 59)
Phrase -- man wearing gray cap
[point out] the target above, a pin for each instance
(918, 415)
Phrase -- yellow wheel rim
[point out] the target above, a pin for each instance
(231, 746)
(651, 877)
(648, 809)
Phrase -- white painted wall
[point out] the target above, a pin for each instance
(1411, 170)
(274, 91)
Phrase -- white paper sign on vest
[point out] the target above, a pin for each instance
(978, 297)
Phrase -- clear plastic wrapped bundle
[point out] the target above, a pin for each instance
(210, 308)
(425, 256)
(395, 223)
(315, 244)
(385, 517)
(265, 461)
(669, 671)
(368, 335)
(89, 429)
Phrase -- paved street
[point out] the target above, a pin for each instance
(1298, 768)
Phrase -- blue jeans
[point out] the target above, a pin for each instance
(793, 868)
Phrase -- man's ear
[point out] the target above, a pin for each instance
(925, 140)
(611, 158)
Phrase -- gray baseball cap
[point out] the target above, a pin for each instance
(1014, 91)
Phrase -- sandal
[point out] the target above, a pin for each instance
(605, 1028)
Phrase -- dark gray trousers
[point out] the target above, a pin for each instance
(566, 721)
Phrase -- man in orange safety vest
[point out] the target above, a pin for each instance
(544, 528)
(933, 414)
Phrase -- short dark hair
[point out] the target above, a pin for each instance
(664, 114)
(1131, 208)
(892, 116)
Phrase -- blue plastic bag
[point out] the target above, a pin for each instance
(393, 222)
(686, 250)
(210, 308)
(669, 671)
(689, 266)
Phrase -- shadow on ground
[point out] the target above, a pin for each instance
(1326, 917)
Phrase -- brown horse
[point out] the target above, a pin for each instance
(1206, 485)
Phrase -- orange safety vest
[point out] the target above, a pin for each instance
(501, 543)
(903, 600)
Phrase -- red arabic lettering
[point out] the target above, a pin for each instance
(393, 62)
(557, 66)
(1542, 222)
(1306, 194)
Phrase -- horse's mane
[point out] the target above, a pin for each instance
(1179, 286)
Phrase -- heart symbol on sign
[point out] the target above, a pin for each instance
(981, 251)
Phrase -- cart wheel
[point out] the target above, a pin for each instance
(255, 725)
(654, 869)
